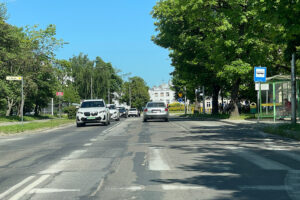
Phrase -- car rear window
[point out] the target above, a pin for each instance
(155, 105)
(133, 109)
(112, 107)
(91, 104)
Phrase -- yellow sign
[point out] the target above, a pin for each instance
(180, 94)
(14, 78)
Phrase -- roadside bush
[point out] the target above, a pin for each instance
(71, 111)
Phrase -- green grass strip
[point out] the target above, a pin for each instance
(284, 130)
(33, 126)
(26, 118)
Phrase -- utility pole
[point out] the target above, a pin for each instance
(293, 82)
(129, 95)
(91, 87)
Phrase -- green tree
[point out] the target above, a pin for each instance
(136, 92)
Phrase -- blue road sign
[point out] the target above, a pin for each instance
(180, 100)
(260, 74)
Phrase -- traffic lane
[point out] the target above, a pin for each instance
(81, 175)
(28, 154)
(226, 161)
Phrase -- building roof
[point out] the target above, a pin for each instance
(280, 78)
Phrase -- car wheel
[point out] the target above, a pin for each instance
(167, 119)
(78, 125)
(145, 120)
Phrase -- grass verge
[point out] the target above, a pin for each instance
(26, 118)
(10, 129)
(284, 130)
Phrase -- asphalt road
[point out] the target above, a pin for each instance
(180, 159)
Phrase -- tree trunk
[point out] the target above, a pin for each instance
(36, 110)
(215, 99)
(21, 107)
(10, 103)
(234, 99)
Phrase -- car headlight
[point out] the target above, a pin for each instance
(103, 111)
(80, 113)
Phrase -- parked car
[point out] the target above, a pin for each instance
(114, 112)
(156, 110)
(133, 112)
(123, 112)
(92, 111)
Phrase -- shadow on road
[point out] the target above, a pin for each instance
(219, 168)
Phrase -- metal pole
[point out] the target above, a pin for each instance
(203, 99)
(91, 87)
(185, 100)
(22, 104)
(293, 78)
(129, 95)
(274, 102)
(52, 106)
(260, 107)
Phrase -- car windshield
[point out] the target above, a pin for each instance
(91, 104)
(121, 109)
(155, 105)
(112, 107)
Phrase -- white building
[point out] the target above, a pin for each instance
(162, 93)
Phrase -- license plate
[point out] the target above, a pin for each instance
(156, 111)
(91, 118)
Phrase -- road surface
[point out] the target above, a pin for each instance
(180, 159)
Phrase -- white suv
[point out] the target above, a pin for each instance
(114, 112)
(92, 111)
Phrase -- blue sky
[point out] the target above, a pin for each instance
(119, 31)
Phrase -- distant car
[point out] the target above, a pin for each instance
(156, 110)
(114, 112)
(123, 112)
(133, 112)
(92, 111)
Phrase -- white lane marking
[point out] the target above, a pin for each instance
(109, 129)
(74, 155)
(181, 187)
(55, 168)
(262, 162)
(29, 187)
(265, 187)
(88, 144)
(93, 140)
(7, 192)
(51, 190)
(156, 163)
(290, 154)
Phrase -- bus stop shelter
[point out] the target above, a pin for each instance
(275, 98)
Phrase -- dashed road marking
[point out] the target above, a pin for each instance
(10, 190)
(156, 162)
(88, 144)
(29, 187)
(51, 190)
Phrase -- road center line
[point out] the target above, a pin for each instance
(29, 187)
(7, 192)
(156, 163)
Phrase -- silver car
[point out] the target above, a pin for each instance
(156, 110)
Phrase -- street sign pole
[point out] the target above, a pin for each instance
(293, 82)
(22, 103)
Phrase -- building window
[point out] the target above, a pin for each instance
(156, 94)
(161, 94)
(167, 94)
(208, 104)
